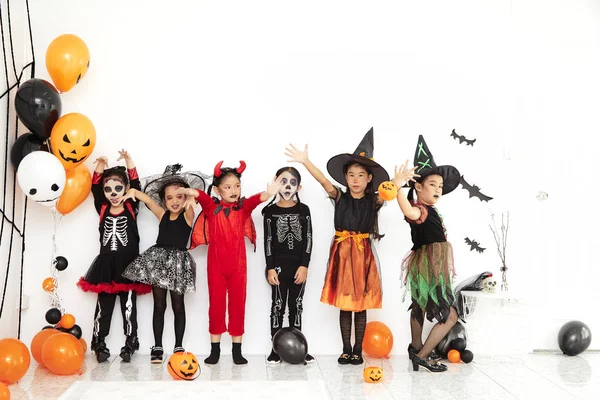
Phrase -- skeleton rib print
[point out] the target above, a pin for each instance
(115, 229)
(288, 228)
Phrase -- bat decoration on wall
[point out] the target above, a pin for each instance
(474, 245)
(462, 138)
(473, 190)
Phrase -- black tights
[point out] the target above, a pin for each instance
(158, 317)
(360, 322)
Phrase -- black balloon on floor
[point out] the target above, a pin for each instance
(458, 344)
(75, 331)
(53, 316)
(466, 356)
(574, 337)
(457, 331)
(290, 344)
(61, 263)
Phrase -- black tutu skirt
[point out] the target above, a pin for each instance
(105, 275)
(165, 267)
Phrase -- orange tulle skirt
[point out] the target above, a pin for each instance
(352, 282)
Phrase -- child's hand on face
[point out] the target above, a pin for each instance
(300, 276)
(130, 195)
(103, 160)
(123, 155)
(272, 277)
(187, 192)
(190, 201)
(404, 174)
(297, 155)
(273, 187)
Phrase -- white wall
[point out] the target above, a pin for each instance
(196, 82)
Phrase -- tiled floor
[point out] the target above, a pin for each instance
(530, 376)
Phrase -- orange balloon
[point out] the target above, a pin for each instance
(4, 392)
(62, 353)
(48, 284)
(73, 139)
(77, 189)
(38, 342)
(378, 340)
(14, 360)
(67, 321)
(454, 356)
(67, 61)
(83, 344)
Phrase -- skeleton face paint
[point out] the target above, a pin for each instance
(114, 190)
(289, 185)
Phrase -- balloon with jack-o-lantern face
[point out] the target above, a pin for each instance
(373, 374)
(73, 139)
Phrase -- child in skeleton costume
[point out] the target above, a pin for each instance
(353, 280)
(429, 267)
(288, 244)
(119, 245)
(224, 222)
(167, 265)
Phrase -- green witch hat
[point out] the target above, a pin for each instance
(426, 166)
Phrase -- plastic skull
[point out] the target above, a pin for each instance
(489, 285)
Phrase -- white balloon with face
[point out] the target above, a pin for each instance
(289, 185)
(42, 178)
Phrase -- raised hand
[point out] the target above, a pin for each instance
(273, 187)
(103, 160)
(190, 201)
(187, 192)
(297, 155)
(123, 155)
(130, 195)
(404, 174)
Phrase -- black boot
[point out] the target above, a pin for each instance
(99, 347)
(131, 345)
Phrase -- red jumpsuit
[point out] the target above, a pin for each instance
(227, 225)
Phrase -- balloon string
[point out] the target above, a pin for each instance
(55, 301)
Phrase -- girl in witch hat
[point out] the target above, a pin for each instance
(167, 265)
(353, 280)
(429, 267)
(224, 222)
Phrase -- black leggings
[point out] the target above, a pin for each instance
(286, 292)
(360, 323)
(158, 317)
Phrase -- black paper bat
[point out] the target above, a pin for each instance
(474, 190)
(461, 138)
(474, 245)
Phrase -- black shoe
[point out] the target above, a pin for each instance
(131, 345)
(344, 359)
(273, 358)
(156, 355)
(102, 353)
(178, 349)
(309, 359)
(419, 362)
(412, 350)
(356, 359)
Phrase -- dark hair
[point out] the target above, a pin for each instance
(369, 189)
(296, 175)
(225, 172)
(115, 172)
(179, 182)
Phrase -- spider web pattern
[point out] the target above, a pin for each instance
(13, 203)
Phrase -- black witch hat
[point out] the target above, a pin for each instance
(363, 155)
(426, 166)
(154, 183)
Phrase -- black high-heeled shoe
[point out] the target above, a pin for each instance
(412, 350)
(419, 362)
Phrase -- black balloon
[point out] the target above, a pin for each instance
(38, 106)
(25, 144)
(290, 344)
(61, 263)
(48, 327)
(466, 356)
(457, 331)
(75, 331)
(574, 337)
(458, 344)
(53, 316)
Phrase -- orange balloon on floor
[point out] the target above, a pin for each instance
(14, 360)
(38, 342)
(67, 321)
(77, 189)
(83, 344)
(4, 392)
(62, 353)
(454, 356)
(378, 340)
(48, 285)
(67, 61)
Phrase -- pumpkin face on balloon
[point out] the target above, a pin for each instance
(183, 366)
(372, 374)
(387, 191)
(73, 139)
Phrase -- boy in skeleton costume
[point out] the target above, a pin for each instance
(119, 245)
(288, 245)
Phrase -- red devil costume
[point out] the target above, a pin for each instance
(225, 225)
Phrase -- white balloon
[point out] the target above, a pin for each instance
(42, 178)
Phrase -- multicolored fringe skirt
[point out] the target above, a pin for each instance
(428, 273)
(352, 282)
